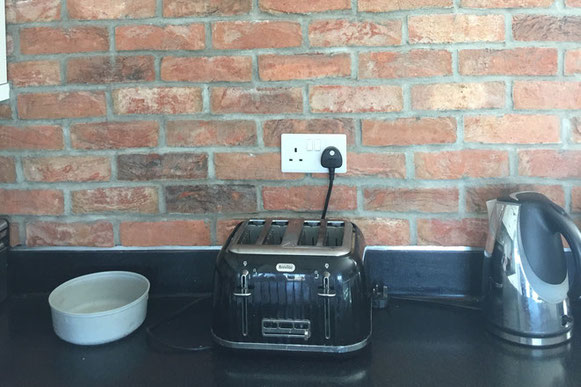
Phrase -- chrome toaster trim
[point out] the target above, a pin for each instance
(290, 238)
(292, 347)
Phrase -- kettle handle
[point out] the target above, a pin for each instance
(563, 224)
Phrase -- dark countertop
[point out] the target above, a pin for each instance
(413, 344)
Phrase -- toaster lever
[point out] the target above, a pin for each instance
(244, 292)
(327, 303)
(326, 286)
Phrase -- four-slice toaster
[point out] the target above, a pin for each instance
(292, 285)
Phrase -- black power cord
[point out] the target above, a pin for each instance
(154, 339)
(330, 159)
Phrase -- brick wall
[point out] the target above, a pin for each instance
(154, 122)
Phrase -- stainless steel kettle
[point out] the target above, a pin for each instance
(525, 275)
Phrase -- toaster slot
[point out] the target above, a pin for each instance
(334, 234)
(311, 237)
(309, 233)
(286, 328)
(276, 232)
(252, 232)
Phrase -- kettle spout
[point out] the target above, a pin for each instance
(490, 207)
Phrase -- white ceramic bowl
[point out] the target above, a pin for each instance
(99, 308)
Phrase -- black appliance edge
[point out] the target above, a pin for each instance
(406, 271)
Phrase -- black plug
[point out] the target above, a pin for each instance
(331, 159)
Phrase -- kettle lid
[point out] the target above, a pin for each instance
(525, 197)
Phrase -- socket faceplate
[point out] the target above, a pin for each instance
(301, 153)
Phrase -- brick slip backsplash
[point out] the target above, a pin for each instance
(158, 122)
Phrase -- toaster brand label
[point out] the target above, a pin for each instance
(285, 267)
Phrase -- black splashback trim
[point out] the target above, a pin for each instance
(413, 271)
(170, 271)
(441, 272)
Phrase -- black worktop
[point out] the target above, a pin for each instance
(413, 344)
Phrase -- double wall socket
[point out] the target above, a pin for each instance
(301, 153)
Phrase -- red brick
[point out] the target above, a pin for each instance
(460, 164)
(244, 35)
(207, 133)
(546, 28)
(256, 101)
(389, 165)
(408, 131)
(158, 100)
(273, 129)
(303, 66)
(224, 228)
(155, 166)
(114, 135)
(414, 63)
(74, 104)
(308, 198)
(333, 33)
(34, 73)
(59, 40)
(411, 200)
(183, 8)
(576, 199)
(476, 197)
(168, 233)
(573, 3)
(400, 5)
(207, 69)
(19, 11)
(384, 231)
(573, 61)
(104, 69)
(14, 234)
(507, 3)
(547, 95)
(7, 170)
(512, 129)
(458, 96)
(250, 166)
(47, 137)
(452, 232)
(31, 202)
(356, 99)
(117, 199)
(110, 9)
(217, 198)
(5, 111)
(169, 37)
(303, 6)
(575, 129)
(558, 164)
(67, 168)
(516, 61)
(456, 28)
(95, 234)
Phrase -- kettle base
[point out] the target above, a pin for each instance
(530, 340)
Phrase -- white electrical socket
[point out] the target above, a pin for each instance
(301, 153)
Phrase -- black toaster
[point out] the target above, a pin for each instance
(292, 285)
